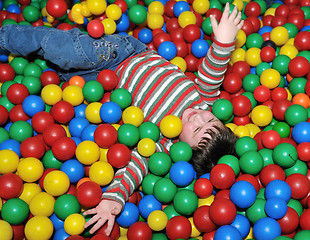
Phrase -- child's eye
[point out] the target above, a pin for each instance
(197, 129)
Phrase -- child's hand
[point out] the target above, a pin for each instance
(226, 30)
(106, 211)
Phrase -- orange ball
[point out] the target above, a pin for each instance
(77, 81)
(301, 99)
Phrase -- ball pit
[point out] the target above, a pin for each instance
(42, 123)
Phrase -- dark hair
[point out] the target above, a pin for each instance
(210, 149)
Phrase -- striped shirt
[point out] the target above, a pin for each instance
(159, 88)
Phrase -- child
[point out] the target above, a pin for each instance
(158, 87)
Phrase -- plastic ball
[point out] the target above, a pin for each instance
(56, 183)
(137, 14)
(39, 227)
(300, 132)
(128, 134)
(42, 204)
(278, 188)
(185, 202)
(110, 112)
(146, 147)
(164, 190)
(171, 126)
(261, 115)
(156, 7)
(123, 98)
(148, 204)
(303, 150)
(180, 151)
(49, 77)
(133, 115)
(9, 161)
(15, 211)
(222, 176)
(227, 232)
(149, 130)
(108, 79)
(29, 191)
(279, 35)
(299, 185)
(266, 228)
(222, 211)
(64, 148)
(289, 222)
(118, 155)
(186, 18)
(56, 8)
(6, 230)
(159, 163)
(30, 169)
(155, 21)
(73, 94)
(16, 93)
(101, 172)
(167, 50)
(182, 173)
(178, 227)
(139, 231)
(87, 152)
(93, 91)
(299, 66)
(251, 162)
(92, 112)
(74, 223)
(242, 224)
(33, 104)
(157, 220)
(105, 135)
(301, 41)
(96, 7)
(270, 78)
(66, 205)
(180, 7)
(203, 188)
(73, 169)
(242, 194)
(145, 35)
(31, 13)
(252, 56)
(222, 109)
(51, 94)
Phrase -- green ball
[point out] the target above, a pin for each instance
(19, 63)
(66, 205)
(122, 97)
(42, 63)
(31, 13)
(282, 128)
(93, 91)
(250, 82)
(256, 211)
(147, 2)
(181, 151)
(296, 205)
(302, 235)
(254, 40)
(206, 26)
(285, 155)
(4, 101)
(222, 109)
(280, 63)
(149, 130)
(298, 167)
(159, 236)
(282, 83)
(185, 202)
(189, 186)
(15, 211)
(292, 29)
(137, 14)
(33, 84)
(8, 21)
(295, 114)
(231, 161)
(250, 96)
(49, 160)
(131, 3)
(6, 3)
(20, 130)
(245, 144)
(261, 193)
(128, 134)
(165, 190)
(33, 70)
(305, 54)
(262, 5)
(282, 238)
(18, 79)
(267, 128)
(216, 4)
(4, 135)
(266, 155)
(251, 162)
(5, 86)
(148, 183)
(24, 23)
(170, 211)
(159, 163)
(306, 11)
(262, 67)
(297, 85)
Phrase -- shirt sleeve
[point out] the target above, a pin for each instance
(212, 69)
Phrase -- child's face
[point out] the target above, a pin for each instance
(195, 123)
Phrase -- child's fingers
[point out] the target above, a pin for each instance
(110, 225)
(239, 26)
(90, 211)
(226, 11)
(238, 18)
(91, 221)
(213, 22)
(98, 225)
(233, 14)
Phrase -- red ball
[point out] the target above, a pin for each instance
(40, 137)
(303, 150)
(203, 188)
(247, 27)
(160, 38)
(232, 83)
(271, 139)
(297, 20)
(282, 10)
(177, 35)
(299, 66)
(95, 28)
(178, 227)
(62, 112)
(41, 120)
(191, 33)
(105, 135)
(278, 21)
(168, 8)
(299, 184)
(302, 41)
(115, 233)
(217, 13)
(222, 194)
(49, 77)
(100, 237)
(32, 147)
(222, 176)
(118, 155)
(224, 95)
(279, 108)
(252, 9)
(106, 97)
(258, 138)
(122, 4)
(56, 8)
(172, 24)
(18, 232)
(17, 114)
(89, 194)
(52, 133)
(304, 220)
(41, 180)
(17, 92)
(241, 121)
(65, 26)
(108, 79)
(11, 186)
(139, 231)
(7, 72)
(262, 93)
(191, 62)
(255, 22)
(249, 178)
(64, 148)
(289, 222)
(4, 115)
(202, 219)
(278, 93)
(222, 211)
(241, 106)
(267, 54)
(271, 172)
(182, 49)
(242, 68)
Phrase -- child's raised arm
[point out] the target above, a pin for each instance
(226, 30)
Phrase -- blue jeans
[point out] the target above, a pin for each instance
(74, 52)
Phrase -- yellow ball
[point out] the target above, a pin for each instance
(76, 13)
(289, 50)
(195, 232)
(30, 169)
(238, 55)
(113, 12)
(103, 154)
(279, 35)
(42, 204)
(87, 152)
(56, 183)
(146, 147)
(180, 62)
(123, 231)
(186, 18)
(73, 94)
(205, 201)
(133, 115)
(201, 6)
(0, 203)
(270, 78)
(84, 10)
(171, 126)
(241, 131)
(109, 26)
(74, 223)
(30, 190)
(96, 7)
(6, 230)
(252, 56)
(92, 112)
(239, 4)
(157, 220)
(289, 94)
(101, 172)
(270, 11)
(240, 39)
(253, 129)
(155, 20)
(51, 94)
(156, 7)
(9, 161)
(39, 228)
(231, 126)
(68, 134)
(261, 115)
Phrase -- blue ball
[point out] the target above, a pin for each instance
(275, 207)
(77, 125)
(179, 7)
(199, 48)
(61, 234)
(129, 215)
(301, 132)
(76, 140)
(88, 133)
(13, 8)
(74, 170)
(265, 29)
(253, 70)
(1, 5)
(11, 144)
(32, 105)
(80, 111)
(123, 23)
(148, 204)
(182, 173)
(145, 35)
(57, 223)
(278, 188)
(266, 229)
(167, 50)
(242, 224)
(110, 112)
(7, 126)
(242, 194)
(227, 232)
(305, 28)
